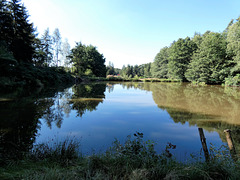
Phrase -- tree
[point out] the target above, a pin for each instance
(197, 39)
(6, 24)
(57, 44)
(96, 61)
(15, 30)
(147, 70)
(135, 71)
(110, 69)
(6, 32)
(88, 61)
(180, 54)
(233, 46)
(22, 39)
(7, 61)
(66, 50)
(159, 67)
(46, 41)
(39, 57)
(209, 63)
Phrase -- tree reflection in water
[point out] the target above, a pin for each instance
(19, 121)
(86, 97)
(213, 108)
(81, 97)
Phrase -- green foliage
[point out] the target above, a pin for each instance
(40, 56)
(180, 54)
(27, 75)
(134, 159)
(210, 64)
(134, 149)
(129, 71)
(233, 81)
(45, 48)
(21, 52)
(16, 31)
(233, 46)
(87, 58)
(160, 65)
(110, 69)
(207, 58)
(61, 152)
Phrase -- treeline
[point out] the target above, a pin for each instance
(211, 58)
(129, 71)
(29, 59)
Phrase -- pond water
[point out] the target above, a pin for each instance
(97, 113)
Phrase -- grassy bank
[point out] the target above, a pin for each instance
(133, 159)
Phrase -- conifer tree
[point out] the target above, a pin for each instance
(47, 48)
(23, 36)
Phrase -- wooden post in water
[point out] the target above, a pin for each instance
(204, 144)
(230, 143)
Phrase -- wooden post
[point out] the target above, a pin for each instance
(230, 143)
(204, 144)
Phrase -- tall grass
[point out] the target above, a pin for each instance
(63, 153)
(133, 159)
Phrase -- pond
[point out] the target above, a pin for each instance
(97, 113)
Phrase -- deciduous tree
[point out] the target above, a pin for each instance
(57, 42)
(88, 61)
(180, 54)
(210, 64)
(159, 67)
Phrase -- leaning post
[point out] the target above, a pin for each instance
(230, 143)
(204, 144)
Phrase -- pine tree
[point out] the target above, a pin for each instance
(6, 25)
(22, 39)
(47, 48)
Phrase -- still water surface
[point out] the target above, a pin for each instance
(97, 113)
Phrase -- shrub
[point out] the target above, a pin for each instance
(233, 81)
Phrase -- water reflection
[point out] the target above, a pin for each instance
(86, 97)
(213, 108)
(19, 120)
(20, 115)
(81, 97)
(208, 100)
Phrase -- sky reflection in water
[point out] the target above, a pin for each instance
(123, 111)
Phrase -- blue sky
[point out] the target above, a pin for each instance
(130, 31)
